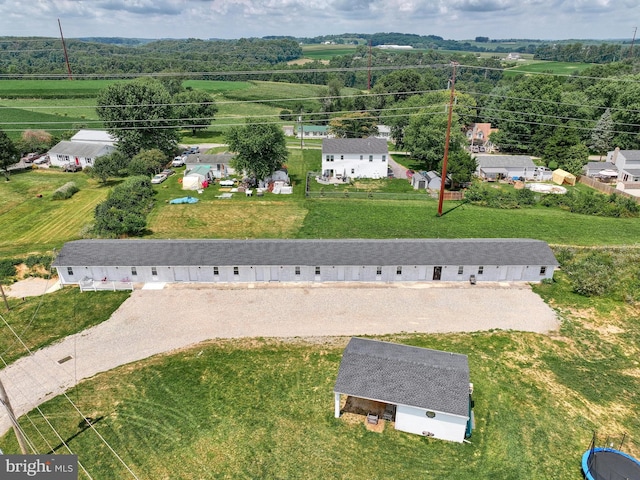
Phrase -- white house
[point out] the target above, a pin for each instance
(498, 167)
(628, 164)
(355, 157)
(94, 136)
(219, 163)
(342, 260)
(82, 154)
(426, 392)
(605, 171)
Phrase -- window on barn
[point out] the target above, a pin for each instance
(297, 270)
(460, 270)
(154, 271)
(399, 270)
(70, 270)
(480, 270)
(317, 270)
(134, 271)
(216, 271)
(543, 270)
(236, 271)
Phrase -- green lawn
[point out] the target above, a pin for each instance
(326, 52)
(557, 68)
(261, 408)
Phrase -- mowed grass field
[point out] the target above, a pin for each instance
(556, 68)
(263, 408)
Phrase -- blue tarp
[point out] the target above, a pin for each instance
(184, 200)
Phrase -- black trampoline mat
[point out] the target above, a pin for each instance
(607, 465)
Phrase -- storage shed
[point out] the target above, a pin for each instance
(344, 260)
(427, 391)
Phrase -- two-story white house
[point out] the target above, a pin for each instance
(355, 157)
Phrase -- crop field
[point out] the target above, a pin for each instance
(557, 68)
(326, 52)
(69, 89)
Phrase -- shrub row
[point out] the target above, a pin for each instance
(65, 191)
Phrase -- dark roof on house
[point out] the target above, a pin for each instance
(401, 374)
(80, 149)
(135, 252)
(504, 161)
(600, 166)
(354, 145)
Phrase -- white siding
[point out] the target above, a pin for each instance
(443, 426)
(351, 165)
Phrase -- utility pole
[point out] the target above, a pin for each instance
(14, 422)
(64, 47)
(301, 132)
(443, 176)
(369, 69)
(633, 40)
(4, 297)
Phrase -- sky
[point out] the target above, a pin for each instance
(450, 19)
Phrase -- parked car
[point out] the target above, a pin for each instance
(159, 178)
(168, 172)
(178, 161)
(71, 167)
(190, 150)
(409, 173)
(42, 159)
(29, 158)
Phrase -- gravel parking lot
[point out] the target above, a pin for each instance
(156, 321)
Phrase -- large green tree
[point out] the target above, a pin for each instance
(260, 148)
(147, 162)
(8, 153)
(139, 113)
(354, 125)
(113, 165)
(602, 134)
(194, 109)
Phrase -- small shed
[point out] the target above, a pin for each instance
(418, 181)
(196, 177)
(428, 390)
(561, 177)
(433, 180)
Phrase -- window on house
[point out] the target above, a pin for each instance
(70, 270)
(460, 270)
(399, 270)
(341, 157)
(317, 270)
(543, 270)
(430, 414)
(480, 270)
(361, 157)
(384, 158)
(329, 158)
(353, 170)
(154, 271)
(216, 271)
(297, 270)
(236, 271)
(379, 271)
(371, 158)
(134, 271)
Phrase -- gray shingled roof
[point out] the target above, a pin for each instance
(363, 146)
(503, 161)
(400, 374)
(222, 158)
(631, 155)
(305, 252)
(601, 166)
(80, 149)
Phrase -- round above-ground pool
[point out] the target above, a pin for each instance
(609, 464)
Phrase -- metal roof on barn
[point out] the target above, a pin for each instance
(80, 149)
(133, 252)
(363, 146)
(405, 375)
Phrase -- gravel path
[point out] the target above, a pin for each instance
(157, 321)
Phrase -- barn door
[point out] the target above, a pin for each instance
(437, 273)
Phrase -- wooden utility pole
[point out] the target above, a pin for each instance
(443, 176)
(64, 48)
(4, 297)
(14, 422)
(633, 40)
(369, 69)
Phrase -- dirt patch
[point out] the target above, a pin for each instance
(356, 409)
(29, 287)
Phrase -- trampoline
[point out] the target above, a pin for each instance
(609, 464)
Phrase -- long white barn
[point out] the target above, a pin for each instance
(352, 260)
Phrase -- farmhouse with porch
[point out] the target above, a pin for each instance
(425, 392)
(354, 158)
(276, 260)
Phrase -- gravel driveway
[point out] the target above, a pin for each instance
(156, 321)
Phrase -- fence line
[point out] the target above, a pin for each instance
(93, 286)
(604, 188)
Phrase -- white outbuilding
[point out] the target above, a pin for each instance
(425, 392)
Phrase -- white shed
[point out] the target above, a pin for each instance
(427, 391)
